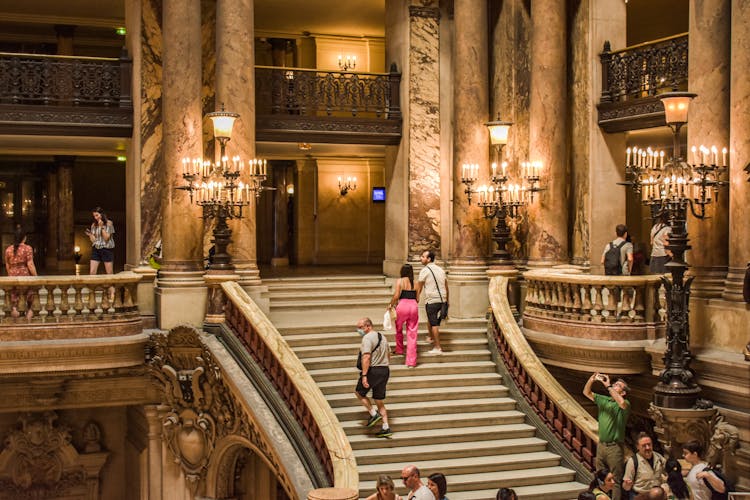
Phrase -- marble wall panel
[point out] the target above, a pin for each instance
(424, 131)
(151, 153)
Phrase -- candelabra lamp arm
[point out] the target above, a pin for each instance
(700, 213)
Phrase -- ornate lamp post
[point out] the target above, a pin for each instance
(502, 199)
(224, 187)
(672, 188)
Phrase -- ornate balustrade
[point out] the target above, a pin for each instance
(294, 384)
(303, 105)
(572, 425)
(44, 94)
(30, 305)
(593, 307)
(632, 77)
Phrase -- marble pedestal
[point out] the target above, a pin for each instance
(180, 299)
(675, 427)
(145, 292)
(216, 298)
(333, 494)
(467, 290)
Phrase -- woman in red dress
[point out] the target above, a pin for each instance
(19, 261)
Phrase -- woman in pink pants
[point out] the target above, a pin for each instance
(406, 312)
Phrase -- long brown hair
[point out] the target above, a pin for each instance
(18, 236)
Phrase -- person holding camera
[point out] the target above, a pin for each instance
(435, 285)
(101, 233)
(614, 410)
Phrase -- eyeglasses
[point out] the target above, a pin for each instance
(405, 478)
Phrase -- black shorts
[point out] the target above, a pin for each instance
(432, 313)
(377, 377)
(102, 254)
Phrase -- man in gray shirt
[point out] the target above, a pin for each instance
(374, 374)
(417, 489)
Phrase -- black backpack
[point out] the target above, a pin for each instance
(715, 495)
(612, 262)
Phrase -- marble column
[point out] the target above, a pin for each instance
(708, 124)
(598, 203)
(548, 218)
(154, 458)
(470, 232)
(181, 294)
(52, 213)
(424, 130)
(739, 152)
(65, 228)
(235, 89)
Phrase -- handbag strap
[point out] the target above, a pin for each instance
(436, 282)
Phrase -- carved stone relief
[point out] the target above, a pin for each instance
(38, 460)
(202, 411)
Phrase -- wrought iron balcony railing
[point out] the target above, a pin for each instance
(72, 95)
(632, 77)
(303, 105)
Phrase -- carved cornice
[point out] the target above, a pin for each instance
(424, 12)
(348, 130)
(96, 121)
(635, 114)
(202, 410)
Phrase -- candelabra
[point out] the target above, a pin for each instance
(671, 188)
(502, 199)
(347, 63)
(223, 188)
(346, 185)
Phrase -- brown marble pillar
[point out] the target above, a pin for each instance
(708, 124)
(235, 89)
(64, 34)
(548, 218)
(470, 136)
(424, 130)
(180, 292)
(52, 213)
(65, 228)
(155, 425)
(739, 151)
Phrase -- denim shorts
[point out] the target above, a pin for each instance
(102, 254)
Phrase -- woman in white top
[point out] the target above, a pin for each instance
(659, 238)
(700, 473)
(101, 233)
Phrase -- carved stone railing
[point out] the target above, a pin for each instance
(632, 77)
(84, 303)
(74, 95)
(304, 105)
(593, 307)
(294, 384)
(570, 423)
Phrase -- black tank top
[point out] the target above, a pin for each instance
(408, 294)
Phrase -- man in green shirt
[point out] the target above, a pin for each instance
(613, 415)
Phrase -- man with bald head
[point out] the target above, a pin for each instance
(417, 490)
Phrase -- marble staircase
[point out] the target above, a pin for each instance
(451, 414)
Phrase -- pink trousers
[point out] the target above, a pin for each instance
(407, 311)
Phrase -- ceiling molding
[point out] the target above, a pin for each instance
(52, 20)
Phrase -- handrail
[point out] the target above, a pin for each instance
(57, 56)
(293, 382)
(324, 71)
(650, 43)
(562, 414)
(68, 299)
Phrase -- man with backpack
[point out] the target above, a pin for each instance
(705, 483)
(643, 470)
(618, 254)
(374, 373)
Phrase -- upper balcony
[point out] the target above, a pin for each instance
(632, 78)
(87, 96)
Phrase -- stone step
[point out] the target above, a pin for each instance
(442, 435)
(426, 395)
(452, 466)
(349, 372)
(344, 386)
(350, 336)
(556, 491)
(446, 406)
(346, 280)
(448, 344)
(468, 326)
(493, 480)
(447, 357)
(435, 420)
(315, 302)
(447, 451)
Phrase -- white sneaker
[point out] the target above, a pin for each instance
(435, 350)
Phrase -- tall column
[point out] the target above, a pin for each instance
(548, 219)
(180, 294)
(235, 89)
(52, 213)
(470, 231)
(64, 34)
(708, 124)
(739, 152)
(65, 229)
(424, 130)
(155, 426)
